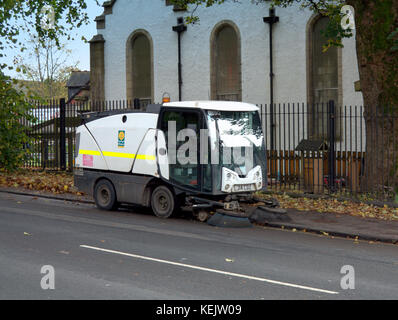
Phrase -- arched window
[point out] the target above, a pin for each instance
(324, 65)
(324, 74)
(226, 83)
(139, 68)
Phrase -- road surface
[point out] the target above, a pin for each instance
(130, 254)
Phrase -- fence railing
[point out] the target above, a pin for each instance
(314, 148)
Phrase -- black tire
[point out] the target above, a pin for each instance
(105, 195)
(162, 202)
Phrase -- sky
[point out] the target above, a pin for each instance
(80, 50)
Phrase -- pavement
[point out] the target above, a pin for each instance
(333, 224)
(131, 254)
(341, 225)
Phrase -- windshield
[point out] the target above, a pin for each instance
(239, 138)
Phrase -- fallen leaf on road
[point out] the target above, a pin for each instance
(26, 234)
(55, 182)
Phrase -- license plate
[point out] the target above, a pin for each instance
(243, 187)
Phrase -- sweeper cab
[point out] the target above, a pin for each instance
(203, 155)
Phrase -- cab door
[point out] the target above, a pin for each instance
(181, 128)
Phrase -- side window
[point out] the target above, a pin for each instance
(182, 131)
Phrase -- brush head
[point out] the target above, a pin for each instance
(229, 219)
(263, 215)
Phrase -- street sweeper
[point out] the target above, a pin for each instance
(208, 156)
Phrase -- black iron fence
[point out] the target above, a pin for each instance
(324, 148)
(315, 148)
(53, 134)
(312, 148)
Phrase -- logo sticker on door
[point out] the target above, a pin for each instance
(121, 138)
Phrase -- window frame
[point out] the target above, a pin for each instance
(129, 65)
(213, 58)
(310, 83)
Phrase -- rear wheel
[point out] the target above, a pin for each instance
(105, 195)
(162, 202)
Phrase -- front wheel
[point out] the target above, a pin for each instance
(105, 195)
(162, 202)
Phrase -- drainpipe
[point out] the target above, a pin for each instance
(271, 20)
(179, 28)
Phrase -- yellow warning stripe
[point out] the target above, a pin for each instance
(145, 157)
(118, 155)
(90, 152)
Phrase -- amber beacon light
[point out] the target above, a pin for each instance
(165, 97)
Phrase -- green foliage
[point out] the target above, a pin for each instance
(195, 4)
(18, 17)
(332, 9)
(394, 38)
(14, 114)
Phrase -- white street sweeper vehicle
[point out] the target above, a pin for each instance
(204, 155)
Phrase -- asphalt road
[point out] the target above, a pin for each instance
(130, 254)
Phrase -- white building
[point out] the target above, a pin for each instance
(225, 56)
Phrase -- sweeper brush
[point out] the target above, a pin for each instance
(242, 213)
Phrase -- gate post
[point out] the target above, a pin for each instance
(62, 134)
(332, 150)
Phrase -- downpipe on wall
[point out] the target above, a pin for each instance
(271, 20)
(179, 28)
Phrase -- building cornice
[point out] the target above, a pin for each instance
(108, 9)
(97, 38)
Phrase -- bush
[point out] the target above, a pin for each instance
(14, 115)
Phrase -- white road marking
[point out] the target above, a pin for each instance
(238, 275)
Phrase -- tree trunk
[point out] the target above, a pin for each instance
(378, 68)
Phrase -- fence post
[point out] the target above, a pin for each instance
(62, 134)
(332, 151)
